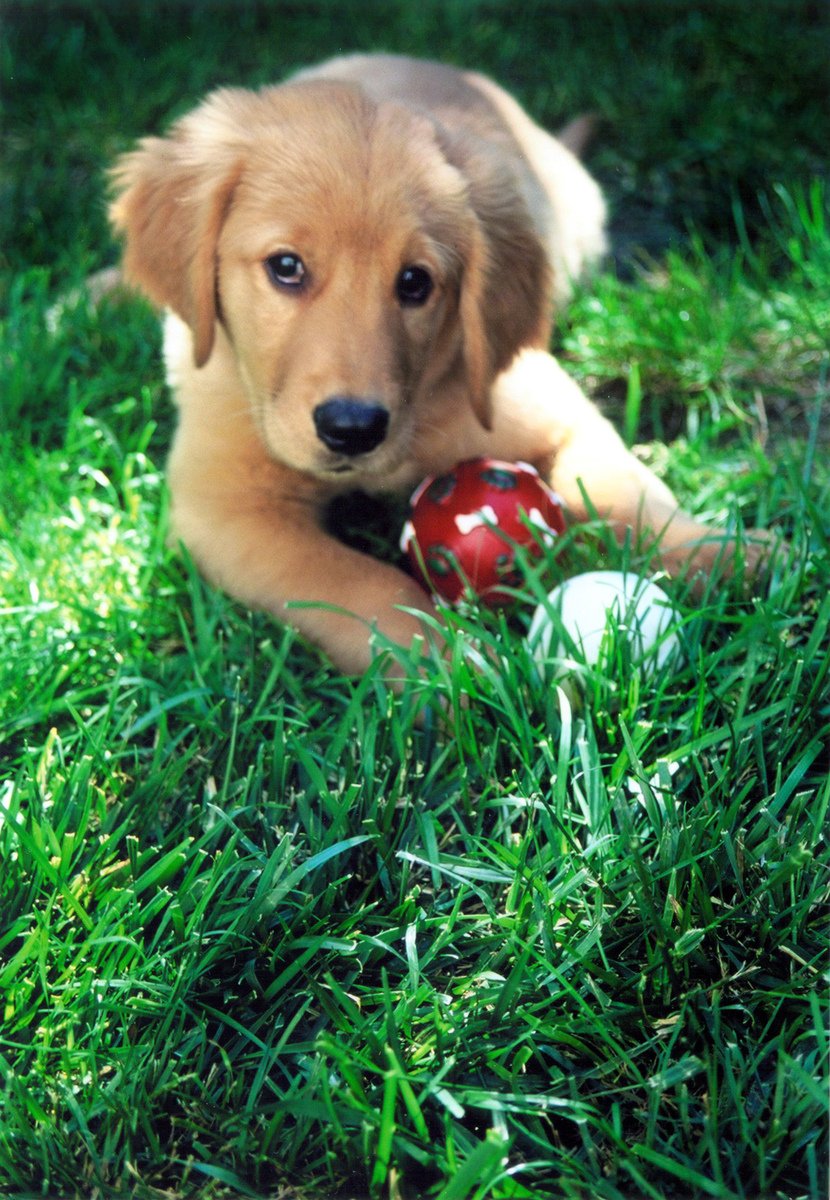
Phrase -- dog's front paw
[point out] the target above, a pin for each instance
(705, 554)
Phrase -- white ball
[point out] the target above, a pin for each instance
(575, 623)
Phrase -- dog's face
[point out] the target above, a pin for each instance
(341, 251)
(340, 275)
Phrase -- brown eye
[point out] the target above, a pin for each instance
(413, 287)
(285, 270)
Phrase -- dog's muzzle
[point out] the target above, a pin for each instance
(349, 426)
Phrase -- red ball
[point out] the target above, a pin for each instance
(464, 527)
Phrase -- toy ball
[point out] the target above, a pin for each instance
(465, 526)
(579, 616)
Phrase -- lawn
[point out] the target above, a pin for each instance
(261, 934)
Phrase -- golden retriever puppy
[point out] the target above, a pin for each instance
(360, 269)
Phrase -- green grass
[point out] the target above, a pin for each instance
(262, 935)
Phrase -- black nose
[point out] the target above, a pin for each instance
(350, 426)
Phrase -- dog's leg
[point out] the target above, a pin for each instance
(272, 554)
(583, 456)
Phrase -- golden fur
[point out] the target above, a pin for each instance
(362, 168)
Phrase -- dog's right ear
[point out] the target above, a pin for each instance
(172, 196)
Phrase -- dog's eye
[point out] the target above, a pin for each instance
(413, 287)
(285, 270)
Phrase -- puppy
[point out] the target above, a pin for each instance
(360, 269)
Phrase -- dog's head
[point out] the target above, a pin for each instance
(354, 254)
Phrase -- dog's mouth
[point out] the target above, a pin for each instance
(366, 465)
(369, 467)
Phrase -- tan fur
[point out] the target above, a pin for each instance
(361, 167)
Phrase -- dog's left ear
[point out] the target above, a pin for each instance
(505, 302)
(172, 197)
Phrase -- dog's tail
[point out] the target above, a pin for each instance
(578, 134)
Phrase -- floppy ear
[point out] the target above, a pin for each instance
(172, 199)
(478, 358)
(506, 301)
